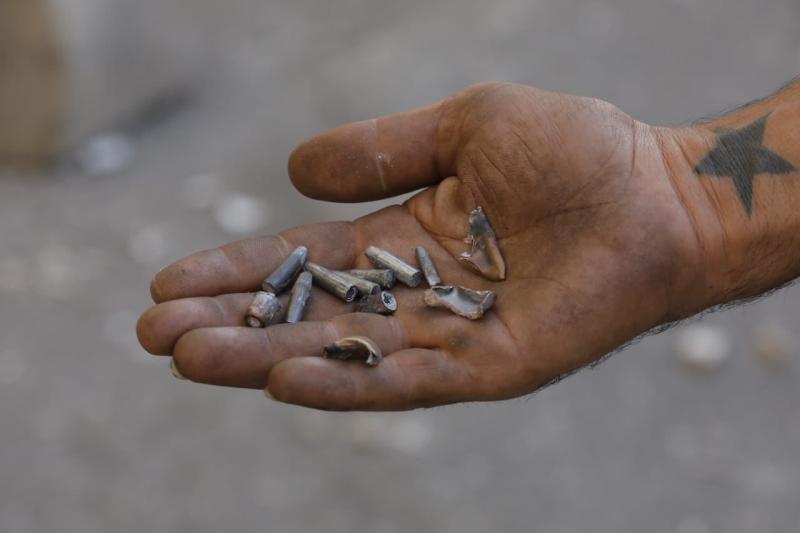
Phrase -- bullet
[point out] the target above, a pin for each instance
(263, 310)
(282, 276)
(332, 282)
(427, 266)
(383, 303)
(364, 286)
(462, 301)
(485, 256)
(407, 274)
(360, 348)
(299, 299)
(382, 276)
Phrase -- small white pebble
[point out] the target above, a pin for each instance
(702, 347)
(200, 191)
(240, 214)
(147, 245)
(105, 154)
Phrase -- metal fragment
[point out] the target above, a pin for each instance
(332, 282)
(282, 276)
(485, 256)
(263, 310)
(462, 301)
(382, 276)
(383, 303)
(407, 274)
(428, 268)
(364, 286)
(299, 299)
(360, 348)
(175, 372)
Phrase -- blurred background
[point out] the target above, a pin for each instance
(133, 132)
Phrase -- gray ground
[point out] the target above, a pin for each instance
(97, 436)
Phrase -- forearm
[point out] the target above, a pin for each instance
(738, 177)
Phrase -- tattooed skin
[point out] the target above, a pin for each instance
(740, 154)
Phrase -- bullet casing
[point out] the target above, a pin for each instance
(383, 303)
(263, 310)
(364, 286)
(282, 276)
(332, 282)
(407, 274)
(298, 302)
(382, 276)
(428, 268)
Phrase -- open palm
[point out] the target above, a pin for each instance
(594, 238)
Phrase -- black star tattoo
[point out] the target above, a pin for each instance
(740, 154)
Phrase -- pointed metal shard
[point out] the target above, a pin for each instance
(485, 257)
(383, 303)
(427, 266)
(299, 299)
(281, 277)
(462, 301)
(263, 310)
(359, 348)
(382, 276)
(407, 274)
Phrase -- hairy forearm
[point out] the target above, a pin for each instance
(738, 177)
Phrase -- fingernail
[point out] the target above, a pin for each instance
(175, 371)
(268, 395)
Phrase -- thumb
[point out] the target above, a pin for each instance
(373, 159)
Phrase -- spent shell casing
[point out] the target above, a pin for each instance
(407, 274)
(382, 276)
(332, 282)
(299, 299)
(263, 310)
(427, 266)
(383, 303)
(282, 276)
(365, 287)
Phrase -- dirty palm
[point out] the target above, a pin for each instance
(595, 242)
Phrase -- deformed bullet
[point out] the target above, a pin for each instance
(462, 301)
(364, 286)
(263, 310)
(383, 303)
(360, 348)
(332, 282)
(427, 266)
(382, 276)
(282, 276)
(299, 299)
(407, 274)
(484, 256)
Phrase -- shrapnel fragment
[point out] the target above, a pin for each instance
(359, 348)
(462, 301)
(382, 276)
(263, 310)
(383, 303)
(332, 282)
(485, 256)
(282, 277)
(364, 286)
(407, 274)
(298, 302)
(428, 268)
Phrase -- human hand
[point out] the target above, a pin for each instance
(599, 249)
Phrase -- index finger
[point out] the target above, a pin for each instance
(241, 266)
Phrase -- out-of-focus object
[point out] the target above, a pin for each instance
(70, 69)
(240, 214)
(484, 256)
(702, 347)
(105, 154)
(773, 345)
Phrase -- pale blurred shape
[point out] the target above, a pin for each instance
(13, 275)
(57, 271)
(200, 191)
(12, 367)
(105, 154)
(147, 245)
(411, 435)
(240, 214)
(692, 524)
(702, 346)
(773, 344)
